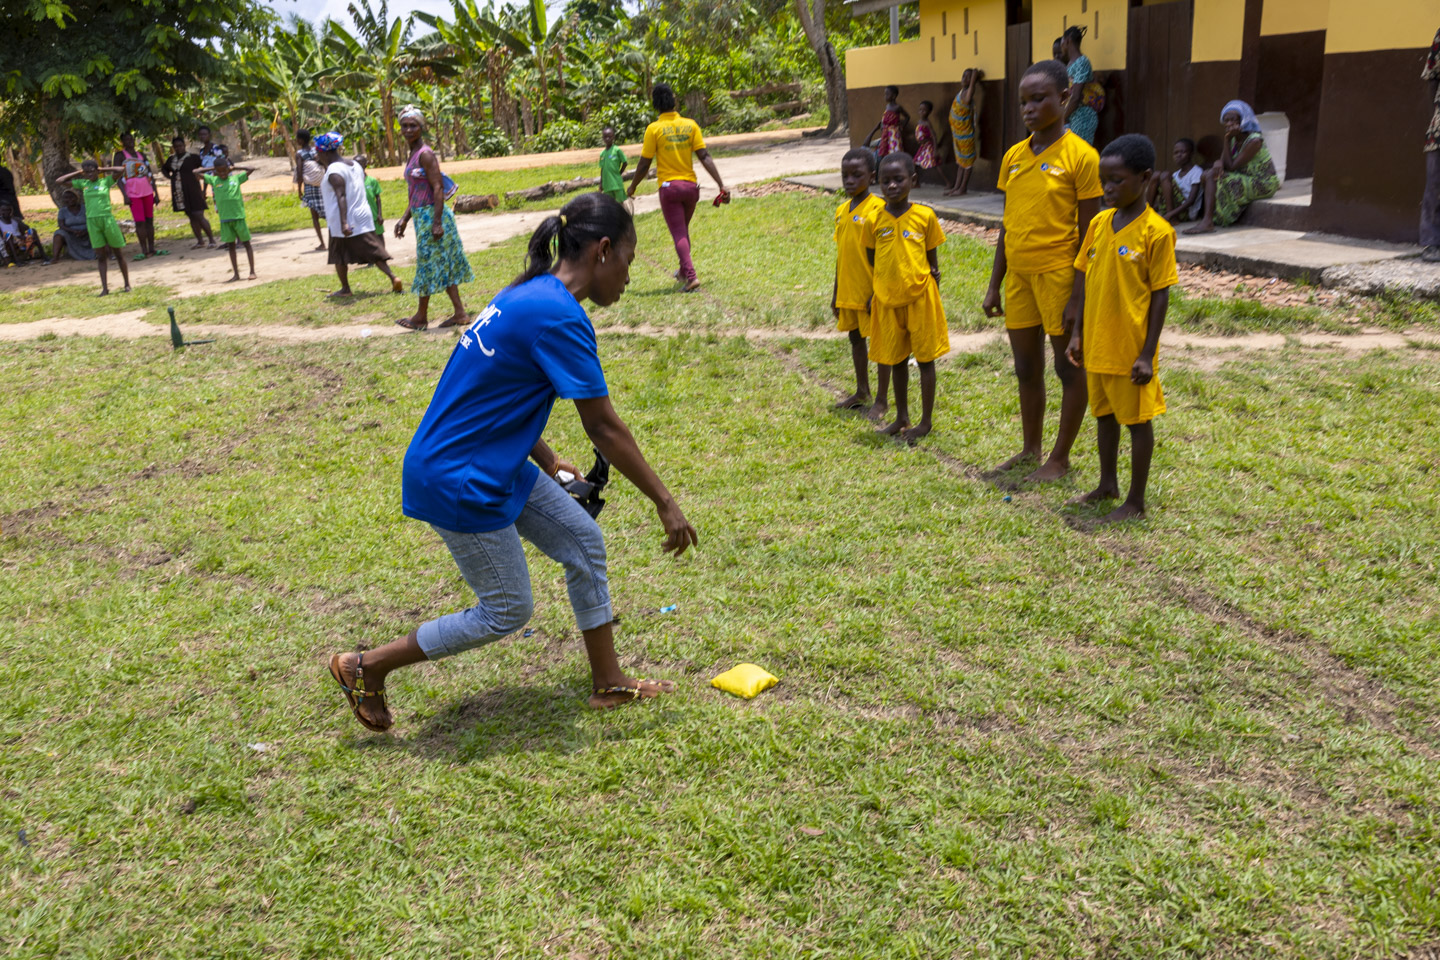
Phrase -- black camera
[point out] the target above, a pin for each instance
(586, 491)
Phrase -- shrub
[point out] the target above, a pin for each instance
(490, 141)
(561, 133)
(629, 117)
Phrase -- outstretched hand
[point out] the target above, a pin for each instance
(680, 535)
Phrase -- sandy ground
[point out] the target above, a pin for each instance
(275, 175)
(294, 253)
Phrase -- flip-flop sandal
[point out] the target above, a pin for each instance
(634, 692)
(137, 258)
(161, 253)
(409, 324)
(454, 322)
(354, 694)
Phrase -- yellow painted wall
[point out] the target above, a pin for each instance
(1108, 22)
(1294, 16)
(1219, 30)
(1359, 25)
(954, 49)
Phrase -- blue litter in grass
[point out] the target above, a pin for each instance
(1007, 498)
(670, 609)
(528, 633)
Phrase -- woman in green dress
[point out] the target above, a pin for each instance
(1243, 174)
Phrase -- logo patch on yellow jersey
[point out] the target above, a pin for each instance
(888, 231)
(1014, 169)
(1053, 170)
(1133, 254)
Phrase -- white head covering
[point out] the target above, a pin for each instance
(410, 112)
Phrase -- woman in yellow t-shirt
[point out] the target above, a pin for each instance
(673, 143)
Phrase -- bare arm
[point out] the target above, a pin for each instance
(642, 167)
(933, 256)
(991, 305)
(1246, 154)
(1085, 211)
(548, 460)
(431, 166)
(615, 442)
(337, 183)
(1144, 369)
(1075, 314)
(1072, 102)
(703, 156)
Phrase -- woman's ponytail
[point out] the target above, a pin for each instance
(564, 236)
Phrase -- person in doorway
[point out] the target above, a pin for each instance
(352, 229)
(187, 193)
(137, 182)
(469, 473)
(71, 236)
(309, 173)
(964, 122)
(673, 143)
(230, 208)
(1080, 112)
(612, 166)
(440, 261)
(100, 223)
(1051, 182)
(1124, 272)
(1178, 195)
(891, 127)
(1243, 174)
(1430, 202)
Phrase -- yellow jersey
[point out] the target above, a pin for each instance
(854, 277)
(1042, 192)
(1122, 269)
(902, 268)
(671, 142)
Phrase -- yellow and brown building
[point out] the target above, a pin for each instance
(1346, 74)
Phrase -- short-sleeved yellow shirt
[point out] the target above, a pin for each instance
(671, 142)
(1042, 191)
(854, 277)
(901, 268)
(1121, 270)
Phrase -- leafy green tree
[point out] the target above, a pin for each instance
(812, 19)
(76, 73)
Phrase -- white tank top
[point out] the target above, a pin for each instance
(357, 210)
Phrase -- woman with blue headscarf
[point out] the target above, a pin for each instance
(1243, 174)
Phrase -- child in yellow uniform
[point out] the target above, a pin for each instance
(1052, 189)
(850, 297)
(906, 316)
(1126, 269)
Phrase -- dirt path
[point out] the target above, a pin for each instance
(293, 253)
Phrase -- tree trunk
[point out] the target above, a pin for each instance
(387, 119)
(54, 148)
(812, 21)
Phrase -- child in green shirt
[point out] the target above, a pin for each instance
(372, 196)
(100, 222)
(230, 208)
(612, 166)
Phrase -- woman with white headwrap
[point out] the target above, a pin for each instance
(1243, 174)
(440, 262)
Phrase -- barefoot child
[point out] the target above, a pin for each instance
(612, 166)
(230, 208)
(1178, 196)
(850, 295)
(1052, 188)
(1126, 268)
(100, 218)
(906, 316)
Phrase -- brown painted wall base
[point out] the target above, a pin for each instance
(867, 103)
(1369, 164)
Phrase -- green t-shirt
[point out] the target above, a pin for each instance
(97, 197)
(229, 205)
(372, 196)
(612, 160)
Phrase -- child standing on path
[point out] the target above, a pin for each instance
(1126, 269)
(906, 316)
(100, 219)
(137, 182)
(854, 274)
(230, 208)
(1052, 188)
(612, 166)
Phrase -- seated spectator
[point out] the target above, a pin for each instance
(72, 236)
(1179, 195)
(19, 243)
(1243, 174)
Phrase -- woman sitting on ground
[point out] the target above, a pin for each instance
(1243, 174)
(72, 235)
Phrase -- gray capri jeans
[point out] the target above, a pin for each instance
(493, 564)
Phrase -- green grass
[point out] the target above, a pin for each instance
(997, 732)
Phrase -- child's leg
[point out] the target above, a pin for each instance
(1074, 399)
(315, 222)
(860, 357)
(250, 256)
(1027, 347)
(234, 260)
(56, 246)
(102, 256)
(195, 229)
(205, 224)
(1107, 434)
(900, 376)
(927, 403)
(1142, 448)
(882, 390)
(120, 262)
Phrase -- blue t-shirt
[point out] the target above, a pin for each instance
(467, 468)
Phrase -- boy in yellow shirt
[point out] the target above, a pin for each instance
(1126, 269)
(1052, 189)
(906, 316)
(854, 275)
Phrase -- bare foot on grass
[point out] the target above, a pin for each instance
(454, 320)
(1023, 456)
(635, 690)
(854, 402)
(338, 293)
(1126, 511)
(1053, 469)
(878, 412)
(916, 433)
(894, 429)
(1100, 493)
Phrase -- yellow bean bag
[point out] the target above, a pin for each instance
(745, 680)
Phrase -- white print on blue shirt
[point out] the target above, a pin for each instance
(490, 313)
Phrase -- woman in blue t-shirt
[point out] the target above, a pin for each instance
(471, 470)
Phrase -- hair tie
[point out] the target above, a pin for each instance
(563, 220)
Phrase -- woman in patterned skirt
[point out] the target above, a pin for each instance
(1243, 174)
(891, 126)
(440, 262)
(962, 131)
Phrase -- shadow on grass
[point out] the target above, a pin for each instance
(503, 721)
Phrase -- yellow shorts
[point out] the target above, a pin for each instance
(918, 328)
(1128, 401)
(853, 320)
(1038, 299)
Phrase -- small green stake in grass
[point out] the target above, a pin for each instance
(176, 340)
